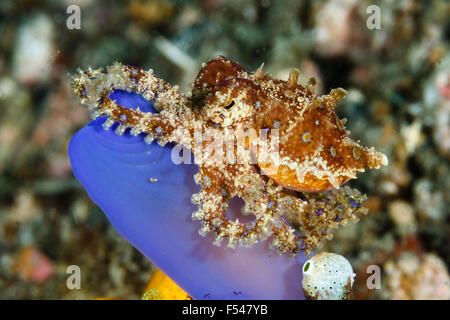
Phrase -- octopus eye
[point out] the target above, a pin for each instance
(229, 105)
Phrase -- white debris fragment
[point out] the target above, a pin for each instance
(34, 51)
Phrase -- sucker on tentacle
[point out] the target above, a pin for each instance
(254, 137)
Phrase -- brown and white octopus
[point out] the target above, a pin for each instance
(275, 144)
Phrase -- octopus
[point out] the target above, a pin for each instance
(275, 144)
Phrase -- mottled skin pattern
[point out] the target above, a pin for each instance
(307, 149)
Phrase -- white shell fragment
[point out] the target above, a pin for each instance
(327, 276)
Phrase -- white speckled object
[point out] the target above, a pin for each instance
(327, 276)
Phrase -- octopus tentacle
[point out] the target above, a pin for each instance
(156, 126)
(261, 200)
(285, 239)
(322, 212)
(213, 202)
(91, 85)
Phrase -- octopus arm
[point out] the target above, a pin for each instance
(213, 201)
(321, 212)
(93, 88)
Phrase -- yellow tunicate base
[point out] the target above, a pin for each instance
(161, 287)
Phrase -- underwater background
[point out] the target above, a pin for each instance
(397, 75)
